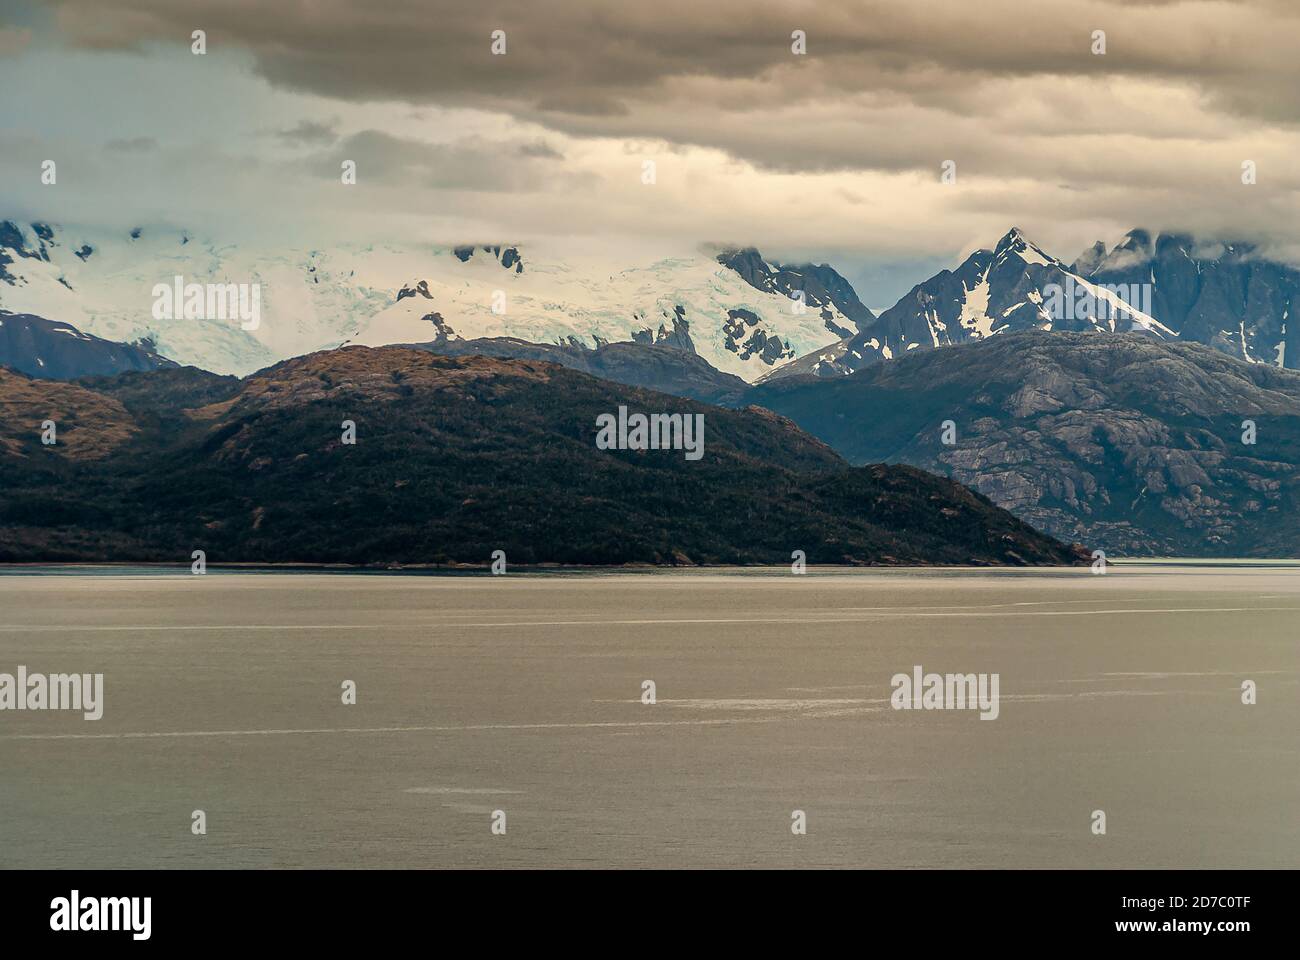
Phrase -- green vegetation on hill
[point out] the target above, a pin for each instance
(454, 458)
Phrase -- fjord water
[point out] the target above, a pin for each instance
(522, 693)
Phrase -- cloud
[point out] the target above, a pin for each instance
(728, 54)
(13, 40)
(471, 163)
(540, 149)
(132, 145)
(309, 133)
(838, 150)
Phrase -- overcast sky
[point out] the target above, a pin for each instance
(835, 154)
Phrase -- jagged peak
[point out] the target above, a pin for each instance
(736, 255)
(1015, 242)
(1089, 259)
(1137, 240)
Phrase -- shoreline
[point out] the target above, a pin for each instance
(457, 570)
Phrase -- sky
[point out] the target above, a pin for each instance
(834, 154)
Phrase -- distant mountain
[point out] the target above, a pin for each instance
(1227, 295)
(818, 286)
(1011, 287)
(659, 367)
(733, 310)
(59, 351)
(743, 314)
(454, 457)
(1121, 442)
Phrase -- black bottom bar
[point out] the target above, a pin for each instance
(922, 911)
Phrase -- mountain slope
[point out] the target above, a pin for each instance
(1013, 286)
(46, 348)
(454, 458)
(659, 367)
(742, 323)
(823, 290)
(1226, 295)
(1120, 442)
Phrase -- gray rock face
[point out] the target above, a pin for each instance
(1227, 295)
(1119, 442)
(52, 350)
(744, 338)
(13, 245)
(508, 257)
(420, 289)
(678, 337)
(821, 285)
(443, 328)
(1090, 259)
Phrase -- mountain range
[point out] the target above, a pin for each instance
(1098, 400)
(1229, 296)
(1004, 289)
(733, 309)
(744, 315)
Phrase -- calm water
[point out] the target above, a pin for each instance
(522, 694)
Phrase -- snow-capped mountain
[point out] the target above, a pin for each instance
(741, 313)
(822, 288)
(1226, 295)
(1012, 286)
(733, 310)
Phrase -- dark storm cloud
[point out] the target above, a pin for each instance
(469, 164)
(309, 133)
(540, 149)
(839, 149)
(708, 73)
